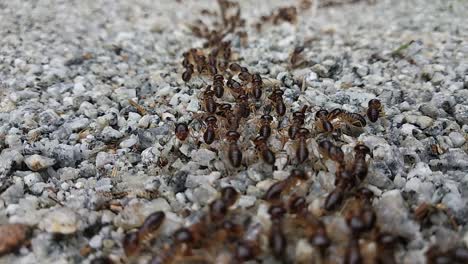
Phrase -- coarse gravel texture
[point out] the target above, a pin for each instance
(71, 143)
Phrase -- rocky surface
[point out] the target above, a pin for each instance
(90, 92)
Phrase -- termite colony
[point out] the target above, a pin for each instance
(236, 102)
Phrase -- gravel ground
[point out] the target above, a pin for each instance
(81, 166)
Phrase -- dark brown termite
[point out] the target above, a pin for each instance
(374, 110)
(360, 166)
(265, 152)
(334, 199)
(277, 98)
(151, 225)
(209, 102)
(257, 85)
(210, 132)
(323, 121)
(295, 57)
(265, 128)
(234, 152)
(187, 74)
(297, 122)
(243, 105)
(218, 85)
(302, 152)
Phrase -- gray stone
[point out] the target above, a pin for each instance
(77, 125)
(104, 158)
(203, 156)
(67, 174)
(96, 242)
(128, 143)
(32, 179)
(13, 193)
(393, 215)
(38, 162)
(421, 121)
(204, 194)
(246, 201)
(61, 220)
(103, 185)
(8, 158)
(429, 110)
(457, 139)
(109, 134)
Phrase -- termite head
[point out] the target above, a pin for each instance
(259, 140)
(375, 103)
(321, 114)
(211, 120)
(278, 93)
(257, 78)
(362, 149)
(243, 97)
(232, 135)
(267, 118)
(218, 78)
(277, 212)
(300, 115)
(209, 92)
(302, 133)
(335, 113)
(298, 174)
(225, 107)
